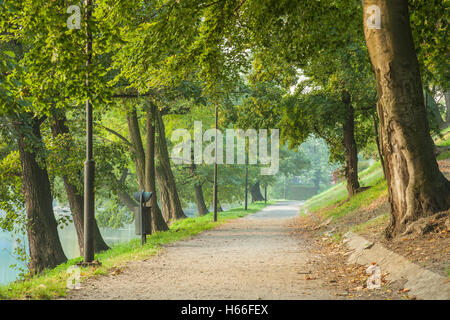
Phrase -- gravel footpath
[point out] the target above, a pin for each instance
(255, 257)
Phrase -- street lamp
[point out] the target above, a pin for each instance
(89, 165)
(215, 173)
(246, 179)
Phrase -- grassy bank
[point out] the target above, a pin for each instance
(334, 201)
(52, 283)
(331, 214)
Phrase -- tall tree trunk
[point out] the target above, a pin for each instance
(200, 199)
(198, 190)
(169, 199)
(138, 153)
(76, 201)
(255, 191)
(351, 151)
(416, 186)
(158, 222)
(43, 239)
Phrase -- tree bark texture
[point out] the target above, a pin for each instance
(169, 199)
(255, 191)
(416, 186)
(158, 222)
(42, 230)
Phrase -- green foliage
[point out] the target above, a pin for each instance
(321, 170)
(266, 63)
(429, 23)
(11, 197)
(373, 177)
(318, 107)
(7, 66)
(54, 56)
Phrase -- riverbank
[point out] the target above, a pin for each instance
(51, 284)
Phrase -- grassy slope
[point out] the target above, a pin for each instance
(332, 202)
(52, 283)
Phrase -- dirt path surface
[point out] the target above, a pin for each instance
(255, 257)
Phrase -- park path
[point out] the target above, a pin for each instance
(255, 257)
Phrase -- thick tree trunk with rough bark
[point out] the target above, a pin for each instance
(255, 191)
(170, 202)
(158, 222)
(351, 151)
(144, 163)
(416, 186)
(44, 244)
(75, 197)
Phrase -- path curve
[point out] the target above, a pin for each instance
(255, 257)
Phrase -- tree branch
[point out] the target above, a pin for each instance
(117, 135)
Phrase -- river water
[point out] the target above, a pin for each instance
(69, 242)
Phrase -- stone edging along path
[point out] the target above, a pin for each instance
(423, 284)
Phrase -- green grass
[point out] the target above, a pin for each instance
(372, 176)
(444, 141)
(51, 284)
(360, 200)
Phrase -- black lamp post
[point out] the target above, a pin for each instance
(215, 174)
(246, 180)
(89, 165)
